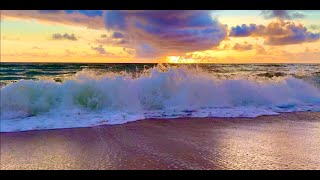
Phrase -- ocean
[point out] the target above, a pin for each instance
(37, 96)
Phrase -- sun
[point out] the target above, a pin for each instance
(179, 59)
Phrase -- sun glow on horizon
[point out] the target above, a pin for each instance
(179, 59)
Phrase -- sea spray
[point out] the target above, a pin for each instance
(91, 98)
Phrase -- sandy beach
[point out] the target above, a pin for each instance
(285, 141)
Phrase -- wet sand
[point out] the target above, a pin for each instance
(285, 141)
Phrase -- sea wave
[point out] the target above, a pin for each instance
(91, 98)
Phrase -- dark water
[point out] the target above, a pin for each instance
(12, 72)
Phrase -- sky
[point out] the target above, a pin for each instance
(165, 36)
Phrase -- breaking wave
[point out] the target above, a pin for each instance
(93, 98)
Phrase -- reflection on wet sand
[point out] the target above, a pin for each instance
(286, 141)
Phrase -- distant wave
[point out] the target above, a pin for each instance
(93, 98)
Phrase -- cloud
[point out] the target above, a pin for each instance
(117, 39)
(283, 33)
(222, 47)
(103, 36)
(146, 50)
(128, 50)
(49, 11)
(260, 50)
(225, 46)
(91, 19)
(242, 47)
(115, 19)
(65, 36)
(117, 35)
(89, 13)
(245, 46)
(168, 31)
(282, 14)
(278, 32)
(246, 30)
(314, 27)
(100, 50)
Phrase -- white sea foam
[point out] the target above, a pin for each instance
(91, 98)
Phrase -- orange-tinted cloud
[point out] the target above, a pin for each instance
(242, 47)
(278, 32)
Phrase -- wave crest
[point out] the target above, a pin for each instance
(157, 92)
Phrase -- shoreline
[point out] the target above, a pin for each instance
(173, 119)
(284, 141)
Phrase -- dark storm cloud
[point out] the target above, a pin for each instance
(117, 35)
(65, 36)
(168, 31)
(246, 30)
